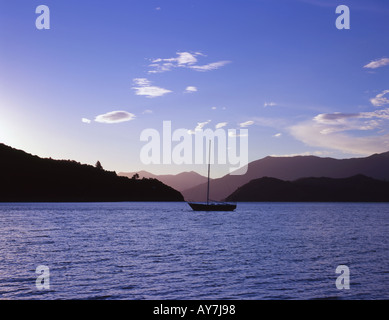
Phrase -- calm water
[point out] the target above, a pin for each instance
(167, 251)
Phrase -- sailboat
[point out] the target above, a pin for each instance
(211, 205)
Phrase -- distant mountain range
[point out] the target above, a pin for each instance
(354, 189)
(293, 168)
(28, 178)
(25, 177)
(181, 181)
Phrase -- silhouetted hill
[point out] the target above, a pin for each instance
(292, 168)
(180, 182)
(28, 178)
(358, 188)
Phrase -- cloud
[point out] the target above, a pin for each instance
(338, 122)
(269, 104)
(277, 135)
(343, 132)
(199, 127)
(183, 60)
(210, 66)
(246, 124)
(337, 117)
(143, 87)
(380, 99)
(115, 117)
(159, 68)
(85, 120)
(232, 133)
(363, 121)
(334, 118)
(186, 58)
(143, 82)
(221, 125)
(190, 89)
(377, 63)
(148, 111)
(382, 114)
(311, 134)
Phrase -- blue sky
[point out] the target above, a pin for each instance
(279, 68)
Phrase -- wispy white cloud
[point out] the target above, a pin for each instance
(143, 87)
(221, 125)
(269, 104)
(186, 58)
(191, 89)
(210, 66)
(380, 100)
(311, 134)
(377, 63)
(336, 131)
(115, 117)
(277, 135)
(232, 133)
(147, 111)
(216, 108)
(161, 67)
(85, 120)
(246, 124)
(142, 82)
(183, 60)
(363, 121)
(199, 127)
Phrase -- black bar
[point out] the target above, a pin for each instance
(194, 309)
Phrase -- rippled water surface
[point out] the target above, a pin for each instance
(167, 251)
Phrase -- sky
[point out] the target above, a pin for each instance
(105, 71)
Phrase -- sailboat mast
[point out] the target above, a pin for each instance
(209, 170)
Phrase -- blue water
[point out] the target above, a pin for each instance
(167, 251)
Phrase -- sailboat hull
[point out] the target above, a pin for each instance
(212, 206)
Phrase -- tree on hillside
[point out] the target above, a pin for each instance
(98, 165)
